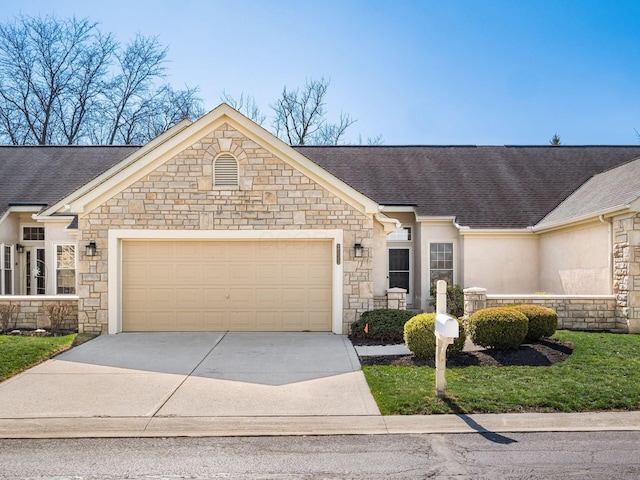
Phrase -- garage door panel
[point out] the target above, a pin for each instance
(214, 273)
(267, 272)
(188, 272)
(271, 285)
(241, 273)
(317, 321)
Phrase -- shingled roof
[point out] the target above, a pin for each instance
(482, 186)
(43, 175)
(608, 190)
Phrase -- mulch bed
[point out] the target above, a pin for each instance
(543, 353)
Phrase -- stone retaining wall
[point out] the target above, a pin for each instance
(31, 313)
(575, 312)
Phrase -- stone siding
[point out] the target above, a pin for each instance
(626, 270)
(575, 312)
(31, 313)
(180, 195)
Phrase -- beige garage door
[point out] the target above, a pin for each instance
(282, 285)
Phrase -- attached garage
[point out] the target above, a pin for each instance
(227, 285)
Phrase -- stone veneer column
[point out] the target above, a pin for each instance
(397, 298)
(626, 271)
(474, 299)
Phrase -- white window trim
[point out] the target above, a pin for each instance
(407, 246)
(55, 266)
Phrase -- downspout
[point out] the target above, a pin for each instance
(610, 251)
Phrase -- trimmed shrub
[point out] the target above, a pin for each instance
(502, 328)
(386, 325)
(420, 337)
(543, 321)
(455, 300)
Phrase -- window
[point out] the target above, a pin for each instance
(6, 283)
(65, 269)
(441, 263)
(33, 233)
(402, 234)
(225, 171)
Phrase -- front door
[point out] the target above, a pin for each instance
(400, 269)
(35, 271)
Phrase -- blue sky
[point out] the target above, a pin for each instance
(485, 72)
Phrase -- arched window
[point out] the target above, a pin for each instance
(225, 171)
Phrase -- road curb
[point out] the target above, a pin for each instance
(132, 427)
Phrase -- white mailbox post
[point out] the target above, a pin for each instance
(446, 330)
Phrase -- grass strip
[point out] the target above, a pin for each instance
(17, 353)
(602, 373)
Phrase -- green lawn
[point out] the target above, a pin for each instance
(18, 353)
(603, 373)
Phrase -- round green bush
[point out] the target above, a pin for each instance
(543, 321)
(501, 328)
(420, 337)
(386, 325)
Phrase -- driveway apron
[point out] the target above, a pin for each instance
(194, 375)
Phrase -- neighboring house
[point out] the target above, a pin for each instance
(218, 225)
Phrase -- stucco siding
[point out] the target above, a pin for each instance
(502, 263)
(576, 261)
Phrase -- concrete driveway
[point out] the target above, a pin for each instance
(194, 375)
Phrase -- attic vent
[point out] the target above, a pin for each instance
(225, 171)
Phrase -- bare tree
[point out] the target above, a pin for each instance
(300, 118)
(64, 82)
(246, 105)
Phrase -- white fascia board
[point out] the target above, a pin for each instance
(389, 225)
(397, 208)
(497, 232)
(435, 219)
(19, 209)
(71, 200)
(609, 212)
(53, 218)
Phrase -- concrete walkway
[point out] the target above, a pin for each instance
(234, 384)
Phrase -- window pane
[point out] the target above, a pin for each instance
(66, 257)
(401, 234)
(399, 259)
(441, 263)
(66, 282)
(33, 233)
(399, 280)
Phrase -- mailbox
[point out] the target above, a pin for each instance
(447, 326)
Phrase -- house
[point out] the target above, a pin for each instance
(218, 225)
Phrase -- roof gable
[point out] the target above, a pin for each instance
(605, 192)
(117, 179)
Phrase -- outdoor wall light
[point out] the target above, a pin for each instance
(19, 248)
(92, 249)
(358, 250)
